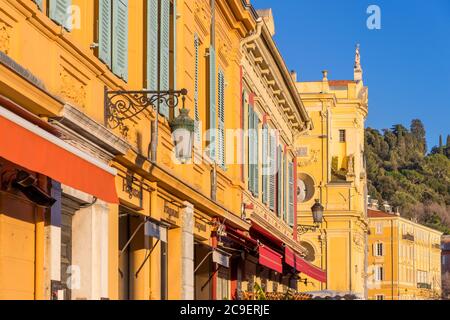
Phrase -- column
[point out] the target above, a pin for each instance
(187, 252)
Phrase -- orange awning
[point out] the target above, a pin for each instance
(33, 148)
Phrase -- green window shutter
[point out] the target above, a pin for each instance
(165, 53)
(273, 156)
(255, 155)
(285, 189)
(291, 195)
(279, 182)
(39, 4)
(265, 144)
(212, 103)
(198, 138)
(250, 150)
(221, 111)
(152, 45)
(105, 31)
(120, 39)
(59, 11)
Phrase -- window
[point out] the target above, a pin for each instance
(198, 138)
(342, 136)
(253, 150)
(265, 173)
(378, 250)
(60, 11)
(166, 32)
(279, 181)
(379, 228)
(292, 209)
(379, 276)
(113, 36)
(379, 297)
(272, 171)
(221, 131)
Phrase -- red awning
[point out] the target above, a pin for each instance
(29, 146)
(270, 258)
(301, 265)
(266, 234)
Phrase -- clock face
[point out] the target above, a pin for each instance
(301, 191)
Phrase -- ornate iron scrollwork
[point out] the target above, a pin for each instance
(302, 229)
(125, 105)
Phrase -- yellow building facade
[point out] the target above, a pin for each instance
(404, 259)
(330, 165)
(58, 58)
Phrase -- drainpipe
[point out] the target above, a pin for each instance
(255, 35)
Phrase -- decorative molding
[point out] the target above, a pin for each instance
(72, 89)
(313, 158)
(79, 129)
(5, 37)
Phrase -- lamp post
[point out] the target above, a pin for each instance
(317, 214)
(127, 105)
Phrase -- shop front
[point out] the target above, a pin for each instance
(51, 193)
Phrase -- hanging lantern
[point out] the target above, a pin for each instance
(317, 212)
(183, 135)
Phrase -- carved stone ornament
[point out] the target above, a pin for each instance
(313, 158)
(5, 37)
(72, 89)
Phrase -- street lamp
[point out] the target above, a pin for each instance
(126, 105)
(317, 214)
(183, 135)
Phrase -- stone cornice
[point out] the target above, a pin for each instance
(77, 126)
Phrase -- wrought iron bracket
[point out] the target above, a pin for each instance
(125, 105)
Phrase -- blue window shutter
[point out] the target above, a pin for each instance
(152, 45)
(39, 4)
(59, 11)
(198, 138)
(105, 31)
(273, 157)
(265, 170)
(291, 195)
(120, 39)
(212, 103)
(221, 116)
(279, 182)
(165, 53)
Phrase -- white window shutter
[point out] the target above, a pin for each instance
(212, 103)
(292, 210)
(165, 54)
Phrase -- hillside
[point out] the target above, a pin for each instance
(401, 172)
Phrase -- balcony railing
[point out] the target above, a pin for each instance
(421, 285)
(408, 236)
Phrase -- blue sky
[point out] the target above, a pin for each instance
(406, 63)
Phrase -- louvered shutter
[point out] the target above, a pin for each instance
(152, 45)
(272, 176)
(279, 182)
(265, 170)
(255, 155)
(221, 110)
(105, 31)
(212, 103)
(291, 195)
(250, 150)
(165, 53)
(285, 191)
(59, 11)
(39, 4)
(120, 39)
(198, 140)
